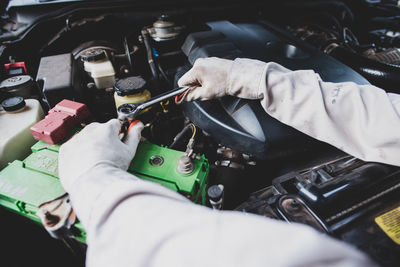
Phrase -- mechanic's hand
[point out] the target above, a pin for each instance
(208, 77)
(216, 77)
(97, 144)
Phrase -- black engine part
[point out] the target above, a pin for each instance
(55, 77)
(386, 76)
(345, 198)
(241, 124)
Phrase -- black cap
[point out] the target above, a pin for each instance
(94, 54)
(215, 193)
(130, 85)
(16, 81)
(13, 103)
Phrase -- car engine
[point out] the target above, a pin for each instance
(70, 63)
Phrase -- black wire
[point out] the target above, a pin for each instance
(76, 250)
(150, 58)
(128, 54)
(180, 135)
(163, 73)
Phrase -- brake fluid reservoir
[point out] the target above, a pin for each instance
(96, 62)
(131, 90)
(16, 118)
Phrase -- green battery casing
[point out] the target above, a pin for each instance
(25, 185)
(192, 185)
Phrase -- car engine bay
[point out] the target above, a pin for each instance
(77, 62)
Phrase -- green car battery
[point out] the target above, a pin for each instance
(159, 164)
(26, 185)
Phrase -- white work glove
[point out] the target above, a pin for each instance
(97, 144)
(215, 77)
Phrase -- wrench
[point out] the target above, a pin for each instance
(127, 113)
(131, 110)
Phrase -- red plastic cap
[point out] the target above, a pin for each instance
(79, 111)
(54, 128)
(15, 65)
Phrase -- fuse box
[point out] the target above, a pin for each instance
(25, 185)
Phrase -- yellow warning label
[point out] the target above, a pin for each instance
(390, 224)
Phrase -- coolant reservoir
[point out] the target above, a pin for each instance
(16, 118)
(21, 85)
(131, 90)
(96, 62)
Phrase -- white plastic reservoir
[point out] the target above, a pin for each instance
(15, 136)
(96, 62)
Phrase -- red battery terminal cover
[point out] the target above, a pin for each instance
(78, 111)
(57, 126)
(53, 128)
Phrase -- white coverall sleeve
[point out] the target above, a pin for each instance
(131, 222)
(362, 120)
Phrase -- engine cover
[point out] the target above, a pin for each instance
(242, 124)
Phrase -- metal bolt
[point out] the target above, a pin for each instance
(185, 165)
(156, 160)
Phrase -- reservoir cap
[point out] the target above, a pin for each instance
(13, 103)
(130, 85)
(16, 81)
(92, 55)
(21, 85)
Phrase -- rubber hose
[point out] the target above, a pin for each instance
(385, 76)
(322, 5)
(150, 59)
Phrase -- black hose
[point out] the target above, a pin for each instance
(321, 5)
(385, 23)
(150, 59)
(163, 74)
(385, 76)
(128, 54)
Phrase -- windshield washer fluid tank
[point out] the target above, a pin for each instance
(15, 136)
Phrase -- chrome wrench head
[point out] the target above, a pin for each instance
(131, 110)
(128, 111)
